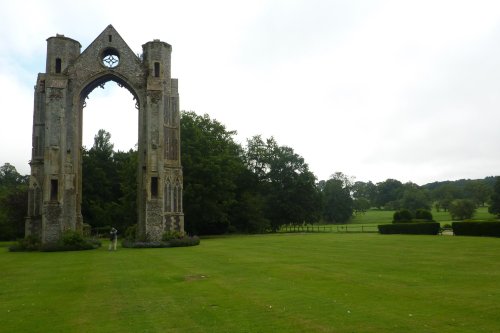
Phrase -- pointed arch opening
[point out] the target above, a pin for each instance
(109, 118)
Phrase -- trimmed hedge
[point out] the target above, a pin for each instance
(476, 228)
(402, 216)
(423, 214)
(424, 228)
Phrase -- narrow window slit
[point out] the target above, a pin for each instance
(157, 69)
(154, 187)
(58, 65)
(54, 189)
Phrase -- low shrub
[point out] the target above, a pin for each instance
(462, 209)
(172, 242)
(70, 241)
(87, 230)
(30, 243)
(423, 228)
(476, 229)
(402, 216)
(185, 241)
(423, 214)
(131, 232)
(58, 247)
(169, 235)
(71, 238)
(141, 245)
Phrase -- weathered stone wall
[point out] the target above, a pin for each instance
(56, 177)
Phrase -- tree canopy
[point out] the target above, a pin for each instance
(285, 183)
(13, 202)
(109, 184)
(229, 187)
(338, 204)
(494, 207)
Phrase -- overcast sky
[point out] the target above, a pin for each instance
(375, 89)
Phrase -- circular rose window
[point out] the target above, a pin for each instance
(110, 58)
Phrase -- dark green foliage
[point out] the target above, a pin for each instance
(285, 185)
(143, 244)
(478, 191)
(247, 215)
(131, 232)
(361, 205)
(223, 192)
(13, 207)
(28, 244)
(494, 207)
(414, 198)
(444, 196)
(70, 241)
(109, 185)
(402, 216)
(462, 209)
(424, 228)
(56, 247)
(337, 200)
(169, 235)
(172, 242)
(212, 167)
(388, 192)
(185, 241)
(364, 192)
(476, 228)
(423, 214)
(13, 202)
(70, 238)
(9, 177)
(444, 193)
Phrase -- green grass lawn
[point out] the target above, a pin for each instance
(265, 283)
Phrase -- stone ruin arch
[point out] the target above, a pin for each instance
(55, 191)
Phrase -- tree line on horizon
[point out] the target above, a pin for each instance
(229, 187)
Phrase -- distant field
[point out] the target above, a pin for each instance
(264, 283)
(385, 216)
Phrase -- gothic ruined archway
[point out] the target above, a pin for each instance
(55, 193)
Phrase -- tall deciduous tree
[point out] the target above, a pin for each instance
(444, 195)
(109, 184)
(337, 201)
(286, 184)
(13, 202)
(388, 192)
(366, 191)
(494, 207)
(478, 191)
(414, 198)
(212, 165)
(461, 209)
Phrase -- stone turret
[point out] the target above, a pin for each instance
(61, 52)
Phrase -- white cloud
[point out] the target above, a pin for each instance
(376, 89)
